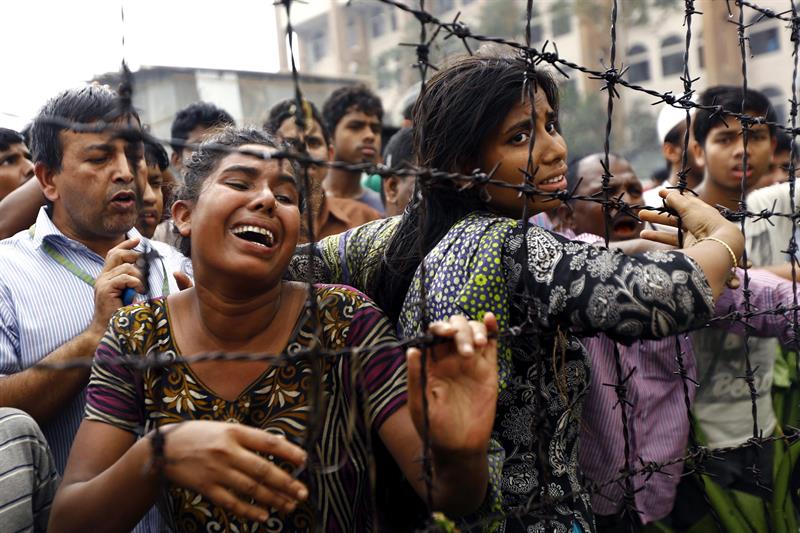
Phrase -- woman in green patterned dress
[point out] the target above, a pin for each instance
(461, 247)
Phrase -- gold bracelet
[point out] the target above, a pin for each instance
(723, 243)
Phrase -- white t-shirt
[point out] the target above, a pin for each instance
(723, 405)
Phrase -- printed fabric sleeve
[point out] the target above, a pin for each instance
(114, 394)
(9, 338)
(350, 258)
(382, 377)
(588, 289)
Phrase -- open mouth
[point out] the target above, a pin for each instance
(625, 227)
(552, 184)
(739, 172)
(148, 216)
(124, 199)
(255, 234)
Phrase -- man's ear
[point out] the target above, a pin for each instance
(562, 217)
(175, 160)
(390, 189)
(672, 152)
(699, 153)
(46, 177)
(182, 217)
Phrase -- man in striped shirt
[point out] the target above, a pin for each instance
(65, 276)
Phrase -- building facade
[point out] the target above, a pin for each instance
(160, 92)
(362, 40)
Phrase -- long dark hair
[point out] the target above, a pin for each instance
(460, 107)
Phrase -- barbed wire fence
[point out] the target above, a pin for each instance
(614, 83)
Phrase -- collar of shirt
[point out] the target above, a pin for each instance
(331, 210)
(46, 230)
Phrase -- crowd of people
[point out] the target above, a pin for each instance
(118, 257)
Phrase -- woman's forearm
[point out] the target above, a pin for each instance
(115, 500)
(459, 482)
(715, 258)
(18, 210)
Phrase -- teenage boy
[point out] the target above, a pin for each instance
(723, 408)
(396, 190)
(158, 192)
(15, 161)
(353, 115)
(191, 124)
(331, 215)
(671, 128)
(779, 167)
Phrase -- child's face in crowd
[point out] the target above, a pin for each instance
(722, 155)
(508, 146)
(587, 217)
(152, 202)
(778, 171)
(314, 141)
(15, 168)
(246, 221)
(357, 138)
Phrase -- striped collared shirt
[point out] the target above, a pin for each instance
(43, 305)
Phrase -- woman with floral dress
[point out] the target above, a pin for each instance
(233, 430)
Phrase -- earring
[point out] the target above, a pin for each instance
(484, 195)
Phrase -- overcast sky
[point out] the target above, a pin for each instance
(50, 45)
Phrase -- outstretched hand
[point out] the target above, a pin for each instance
(461, 386)
(700, 221)
(697, 219)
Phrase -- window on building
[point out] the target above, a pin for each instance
(764, 35)
(317, 46)
(778, 101)
(393, 19)
(561, 19)
(671, 56)
(383, 74)
(701, 51)
(387, 69)
(638, 64)
(377, 22)
(537, 29)
(352, 33)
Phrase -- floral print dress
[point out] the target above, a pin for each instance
(360, 392)
(546, 291)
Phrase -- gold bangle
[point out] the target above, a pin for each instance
(723, 243)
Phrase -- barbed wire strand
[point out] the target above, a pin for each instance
(612, 78)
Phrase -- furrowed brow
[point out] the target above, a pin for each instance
(250, 172)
